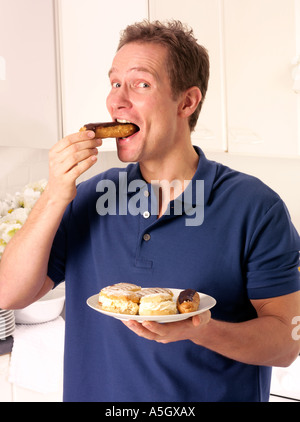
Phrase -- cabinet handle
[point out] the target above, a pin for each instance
(2, 69)
(296, 74)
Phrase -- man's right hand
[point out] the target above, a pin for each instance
(69, 159)
(30, 247)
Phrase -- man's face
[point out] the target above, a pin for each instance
(141, 94)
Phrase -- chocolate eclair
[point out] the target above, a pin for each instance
(188, 301)
(111, 129)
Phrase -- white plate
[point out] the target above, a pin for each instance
(7, 332)
(206, 302)
(7, 325)
(3, 312)
(7, 318)
(4, 324)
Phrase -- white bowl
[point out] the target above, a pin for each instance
(45, 309)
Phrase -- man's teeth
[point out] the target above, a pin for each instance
(122, 121)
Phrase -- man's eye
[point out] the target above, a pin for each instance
(116, 85)
(143, 85)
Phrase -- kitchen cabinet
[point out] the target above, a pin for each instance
(89, 35)
(251, 106)
(53, 69)
(205, 17)
(29, 96)
(260, 44)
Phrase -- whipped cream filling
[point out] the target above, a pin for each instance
(121, 305)
(162, 306)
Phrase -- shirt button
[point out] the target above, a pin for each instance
(146, 214)
(146, 193)
(146, 237)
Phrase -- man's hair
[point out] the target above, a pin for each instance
(188, 62)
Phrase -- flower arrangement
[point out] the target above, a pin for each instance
(14, 210)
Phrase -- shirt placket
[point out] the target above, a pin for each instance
(147, 218)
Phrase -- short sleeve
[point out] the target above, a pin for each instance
(57, 259)
(273, 259)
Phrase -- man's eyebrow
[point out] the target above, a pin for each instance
(111, 70)
(136, 69)
(142, 69)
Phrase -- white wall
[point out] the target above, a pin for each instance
(19, 166)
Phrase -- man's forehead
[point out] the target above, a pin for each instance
(137, 57)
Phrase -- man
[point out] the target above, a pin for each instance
(244, 252)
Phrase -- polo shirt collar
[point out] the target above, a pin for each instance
(206, 171)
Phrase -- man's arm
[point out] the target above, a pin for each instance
(266, 340)
(24, 264)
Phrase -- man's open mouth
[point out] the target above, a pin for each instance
(127, 122)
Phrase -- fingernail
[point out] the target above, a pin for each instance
(91, 134)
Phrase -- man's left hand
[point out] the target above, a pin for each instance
(188, 329)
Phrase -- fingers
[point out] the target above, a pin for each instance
(87, 137)
(73, 150)
(69, 159)
(162, 333)
(140, 330)
(201, 319)
(75, 144)
(188, 329)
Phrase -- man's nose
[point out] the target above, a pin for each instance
(119, 98)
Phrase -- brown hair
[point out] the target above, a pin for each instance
(188, 63)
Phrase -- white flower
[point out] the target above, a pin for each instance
(30, 197)
(4, 208)
(37, 186)
(7, 231)
(14, 210)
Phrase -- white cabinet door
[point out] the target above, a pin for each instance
(251, 106)
(260, 44)
(89, 33)
(205, 17)
(28, 83)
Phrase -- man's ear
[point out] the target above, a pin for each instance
(189, 101)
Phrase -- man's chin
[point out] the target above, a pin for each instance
(125, 156)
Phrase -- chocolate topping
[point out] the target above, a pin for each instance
(93, 126)
(186, 296)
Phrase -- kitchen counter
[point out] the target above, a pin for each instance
(6, 345)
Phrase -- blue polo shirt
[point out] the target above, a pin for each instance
(233, 240)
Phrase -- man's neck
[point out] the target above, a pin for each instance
(169, 176)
